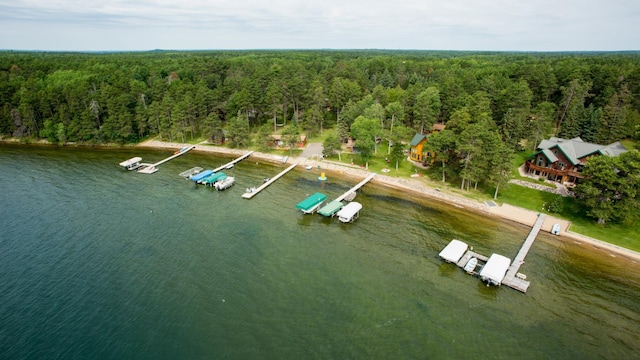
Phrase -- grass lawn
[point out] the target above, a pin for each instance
(625, 236)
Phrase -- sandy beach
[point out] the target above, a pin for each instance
(419, 186)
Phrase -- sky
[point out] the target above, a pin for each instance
(485, 25)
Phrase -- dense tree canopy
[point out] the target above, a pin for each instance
(122, 97)
(611, 189)
(492, 103)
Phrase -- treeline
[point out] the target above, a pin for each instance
(122, 97)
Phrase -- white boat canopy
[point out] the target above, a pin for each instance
(454, 251)
(130, 162)
(495, 269)
(349, 212)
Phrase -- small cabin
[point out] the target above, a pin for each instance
(418, 151)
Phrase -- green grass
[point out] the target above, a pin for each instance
(625, 236)
(630, 144)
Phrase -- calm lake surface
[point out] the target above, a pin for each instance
(100, 263)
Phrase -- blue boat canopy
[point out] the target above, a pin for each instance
(201, 175)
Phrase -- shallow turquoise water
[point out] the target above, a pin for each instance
(97, 262)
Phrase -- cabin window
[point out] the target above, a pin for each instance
(540, 160)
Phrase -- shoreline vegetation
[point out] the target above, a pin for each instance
(418, 186)
(414, 185)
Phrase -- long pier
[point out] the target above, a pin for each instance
(152, 168)
(513, 279)
(254, 192)
(355, 188)
(334, 206)
(231, 163)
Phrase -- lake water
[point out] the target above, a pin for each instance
(97, 262)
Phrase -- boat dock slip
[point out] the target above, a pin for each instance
(331, 208)
(358, 186)
(186, 174)
(513, 278)
(497, 269)
(132, 163)
(254, 192)
(311, 203)
(231, 163)
(213, 178)
(201, 175)
(350, 212)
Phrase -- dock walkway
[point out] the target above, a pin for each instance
(358, 186)
(152, 168)
(249, 195)
(231, 163)
(511, 279)
(333, 207)
(174, 156)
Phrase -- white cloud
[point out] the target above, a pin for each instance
(421, 24)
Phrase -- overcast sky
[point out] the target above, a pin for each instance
(521, 25)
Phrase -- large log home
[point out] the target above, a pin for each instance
(562, 160)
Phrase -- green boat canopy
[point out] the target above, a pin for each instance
(311, 202)
(331, 208)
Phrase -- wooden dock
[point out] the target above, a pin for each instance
(355, 188)
(513, 279)
(152, 168)
(333, 207)
(232, 163)
(254, 192)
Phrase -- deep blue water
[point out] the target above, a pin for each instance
(99, 263)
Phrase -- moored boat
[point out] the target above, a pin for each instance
(495, 269)
(471, 265)
(131, 164)
(225, 183)
(349, 212)
(312, 203)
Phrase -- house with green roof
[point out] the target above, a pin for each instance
(562, 160)
(418, 152)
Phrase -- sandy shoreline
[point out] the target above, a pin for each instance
(418, 186)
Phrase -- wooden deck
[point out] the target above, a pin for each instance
(249, 195)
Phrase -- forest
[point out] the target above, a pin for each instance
(494, 104)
